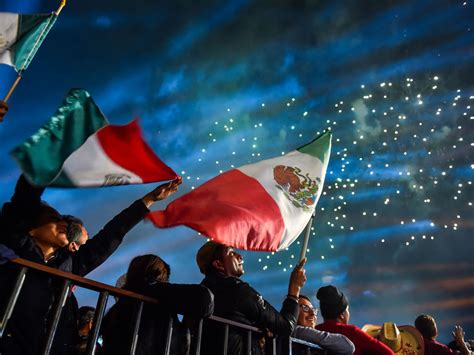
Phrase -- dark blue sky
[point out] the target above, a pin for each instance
(219, 84)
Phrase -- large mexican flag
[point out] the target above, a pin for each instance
(78, 147)
(262, 206)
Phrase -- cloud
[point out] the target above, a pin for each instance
(361, 112)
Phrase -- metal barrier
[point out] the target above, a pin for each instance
(104, 292)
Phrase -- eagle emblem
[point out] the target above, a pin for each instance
(297, 187)
(116, 179)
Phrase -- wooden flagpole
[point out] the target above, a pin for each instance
(307, 232)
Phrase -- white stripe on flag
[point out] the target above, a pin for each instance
(89, 165)
(8, 35)
(295, 218)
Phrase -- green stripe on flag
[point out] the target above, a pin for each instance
(41, 156)
(32, 30)
(319, 147)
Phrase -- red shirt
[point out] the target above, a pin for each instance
(364, 343)
(432, 347)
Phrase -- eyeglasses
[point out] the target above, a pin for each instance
(307, 309)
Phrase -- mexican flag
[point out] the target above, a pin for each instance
(78, 147)
(21, 36)
(262, 206)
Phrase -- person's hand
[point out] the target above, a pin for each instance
(3, 109)
(161, 192)
(297, 279)
(458, 335)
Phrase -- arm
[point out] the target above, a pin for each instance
(23, 207)
(196, 301)
(95, 251)
(261, 313)
(337, 343)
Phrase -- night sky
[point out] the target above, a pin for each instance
(219, 84)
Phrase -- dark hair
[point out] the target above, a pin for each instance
(332, 302)
(74, 230)
(44, 214)
(144, 271)
(85, 315)
(305, 297)
(426, 325)
(209, 252)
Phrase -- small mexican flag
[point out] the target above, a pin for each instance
(262, 206)
(21, 36)
(77, 147)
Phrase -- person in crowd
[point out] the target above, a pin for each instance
(149, 275)
(426, 325)
(84, 326)
(76, 233)
(335, 311)
(236, 300)
(305, 330)
(35, 231)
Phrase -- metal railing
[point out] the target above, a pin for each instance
(105, 291)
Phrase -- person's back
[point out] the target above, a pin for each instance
(335, 311)
(238, 301)
(148, 275)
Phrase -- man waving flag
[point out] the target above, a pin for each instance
(78, 147)
(262, 206)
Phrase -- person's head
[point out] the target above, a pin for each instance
(76, 233)
(144, 271)
(48, 229)
(333, 304)
(426, 325)
(307, 317)
(215, 257)
(84, 320)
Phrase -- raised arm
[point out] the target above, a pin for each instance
(96, 250)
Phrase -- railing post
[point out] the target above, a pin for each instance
(169, 335)
(290, 346)
(274, 345)
(136, 328)
(199, 337)
(20, 279)
(98, 316)
(226, 339)
(58, 308)
(249, 342)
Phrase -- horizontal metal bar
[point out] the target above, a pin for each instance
(236, 324)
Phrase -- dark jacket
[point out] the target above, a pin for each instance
(237, 301)
(190, 300)
(25, 333)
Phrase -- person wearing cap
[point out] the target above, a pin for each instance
(335, 311)
(236, 300)
(305, 330)
(37, 232)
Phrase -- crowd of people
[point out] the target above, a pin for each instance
(33, 230)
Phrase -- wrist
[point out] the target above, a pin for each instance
(293, 297)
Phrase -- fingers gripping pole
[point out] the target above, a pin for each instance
(307, 232)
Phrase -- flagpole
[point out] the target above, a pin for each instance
(13, 87)
(18, 78)
(307, 232)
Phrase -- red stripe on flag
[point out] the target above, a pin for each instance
(126, 147)
(232, 209)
